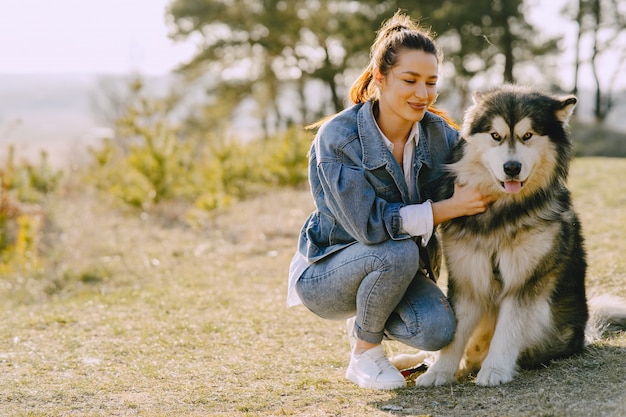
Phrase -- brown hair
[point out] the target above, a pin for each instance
(398, 33)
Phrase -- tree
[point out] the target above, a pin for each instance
(603, 24)
(262, 50)
(487, 41)
(259, 49)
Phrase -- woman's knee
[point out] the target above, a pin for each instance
(424, 319)
(402, 256)
(438, 332)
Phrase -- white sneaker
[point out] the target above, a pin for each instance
(372, 369)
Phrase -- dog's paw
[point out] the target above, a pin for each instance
(465, 372)
(434, 378)
(493, 376)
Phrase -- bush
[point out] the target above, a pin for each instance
(23, 191)
(152, 160)
(597, 140)
(285, 159)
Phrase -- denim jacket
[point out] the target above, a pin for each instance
(359, 188)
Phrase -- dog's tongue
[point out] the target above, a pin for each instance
(512, 186)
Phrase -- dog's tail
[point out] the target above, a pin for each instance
(607, 313)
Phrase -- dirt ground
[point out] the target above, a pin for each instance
(143, 315)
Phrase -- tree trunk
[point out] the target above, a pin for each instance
(579, 21)
(336, 102)
(598, 111)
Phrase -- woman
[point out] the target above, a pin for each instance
(373, 169)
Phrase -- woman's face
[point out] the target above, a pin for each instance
(409, 87)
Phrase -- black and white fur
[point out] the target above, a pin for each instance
(516, 272)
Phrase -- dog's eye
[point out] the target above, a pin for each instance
(496, 136)
(527, 136)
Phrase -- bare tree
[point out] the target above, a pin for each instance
(603, 24)
(261, 50)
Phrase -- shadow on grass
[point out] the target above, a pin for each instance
(591, 384)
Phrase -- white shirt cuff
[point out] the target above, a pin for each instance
(417, 220)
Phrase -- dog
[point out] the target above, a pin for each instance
(516, 273)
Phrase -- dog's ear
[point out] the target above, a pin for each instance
(566, 108)
(477, 96)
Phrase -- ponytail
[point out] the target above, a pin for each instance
(398, 33)
(362, 89)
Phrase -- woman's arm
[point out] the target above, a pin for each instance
(466, 201)
(355, 205)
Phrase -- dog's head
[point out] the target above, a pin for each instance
(517, 140)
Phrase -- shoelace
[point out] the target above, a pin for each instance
(383, 364)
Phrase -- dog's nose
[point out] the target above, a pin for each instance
(512, 168)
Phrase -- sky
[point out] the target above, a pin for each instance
(128, 36)
(110, 36)
(87, 36)
(101, 37)
(131, 36)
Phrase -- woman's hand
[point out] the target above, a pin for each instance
(469, 200)
(466, 201)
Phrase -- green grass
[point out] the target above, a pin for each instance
(143, 316)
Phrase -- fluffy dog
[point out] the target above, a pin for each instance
(516, 272)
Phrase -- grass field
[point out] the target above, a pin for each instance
(144, 316)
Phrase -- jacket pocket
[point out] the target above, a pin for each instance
(319, 229)
(438, 189)
(384, 185)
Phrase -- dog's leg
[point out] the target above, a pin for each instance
(520, 324)
(410, 360)
(443, 371)
(478, 345)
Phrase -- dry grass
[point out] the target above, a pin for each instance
(143, 316)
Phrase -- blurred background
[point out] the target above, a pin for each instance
(251, 69)
(200, 103)
(153, 181)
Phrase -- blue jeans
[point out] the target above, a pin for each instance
(383, 286)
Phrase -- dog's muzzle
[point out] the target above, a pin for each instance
(512, 170)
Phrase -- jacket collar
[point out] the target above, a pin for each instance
(423, 149)
(375, 153)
